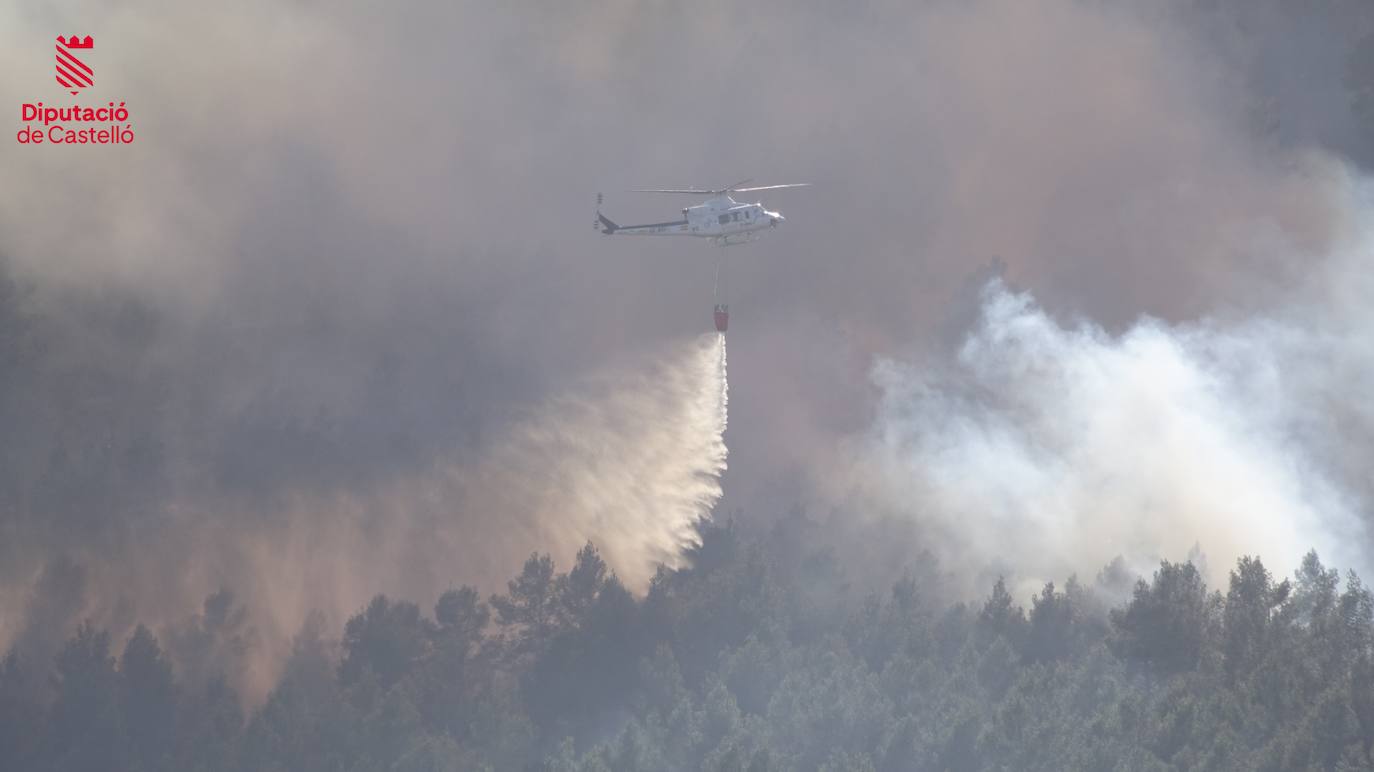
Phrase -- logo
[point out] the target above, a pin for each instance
(74, 124)
(71, 71)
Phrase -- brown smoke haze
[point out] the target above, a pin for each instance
(335, 324)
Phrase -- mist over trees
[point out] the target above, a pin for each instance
(755, 658)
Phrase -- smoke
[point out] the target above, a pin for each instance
(335, 324)
(1045, 448)
(628, 458)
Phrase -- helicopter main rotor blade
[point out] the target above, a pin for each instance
(732, 189)
(772, 187)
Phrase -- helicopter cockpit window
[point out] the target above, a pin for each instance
(725, 218)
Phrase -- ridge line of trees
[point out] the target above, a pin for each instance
(748, 660)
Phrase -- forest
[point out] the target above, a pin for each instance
(747, 660)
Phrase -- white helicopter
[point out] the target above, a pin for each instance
(720, 218)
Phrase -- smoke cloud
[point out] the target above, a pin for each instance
(1045, 448)
(629, 458)
(336, 322)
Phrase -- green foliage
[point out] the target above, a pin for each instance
(148, 701)
(529, 613)
(712, 671)
(21, 718)
(85, 727)
(1166, 622)
(385, 641)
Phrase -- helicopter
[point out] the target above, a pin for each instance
(720, 218)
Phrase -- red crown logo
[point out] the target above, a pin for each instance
(72, 73)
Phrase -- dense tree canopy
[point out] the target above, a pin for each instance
(728, 665)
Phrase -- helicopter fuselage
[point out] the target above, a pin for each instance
(721, 218)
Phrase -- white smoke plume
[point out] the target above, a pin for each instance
(1048, 448)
